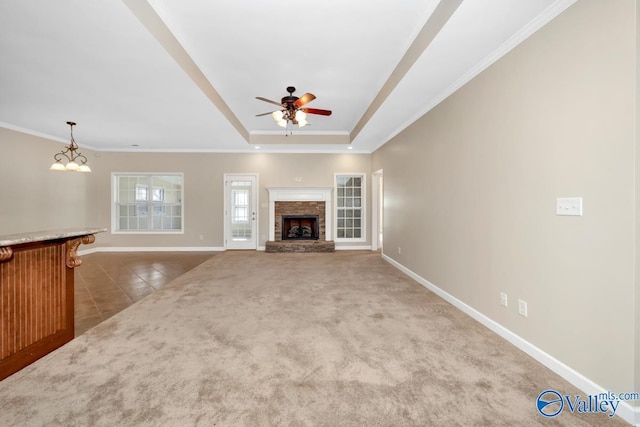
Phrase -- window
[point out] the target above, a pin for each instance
(241, 226)
(135, 195)
(240, 203)
(350, 211)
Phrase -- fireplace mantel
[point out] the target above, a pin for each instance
(301, 194)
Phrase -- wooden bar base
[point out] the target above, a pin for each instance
(36, 298)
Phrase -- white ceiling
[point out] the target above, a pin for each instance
(169, 75)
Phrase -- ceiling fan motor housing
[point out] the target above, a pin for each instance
(287, 101)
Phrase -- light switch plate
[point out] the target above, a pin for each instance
(569, 206)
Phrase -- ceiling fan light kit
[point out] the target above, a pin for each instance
(292, 111)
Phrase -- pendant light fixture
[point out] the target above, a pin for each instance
(72, 155)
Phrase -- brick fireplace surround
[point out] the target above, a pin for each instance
(299, 208)
(300, 201)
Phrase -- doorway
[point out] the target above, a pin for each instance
(240, 211)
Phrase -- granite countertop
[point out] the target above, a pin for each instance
(40, 236)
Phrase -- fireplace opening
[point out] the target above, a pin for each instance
(300, 227)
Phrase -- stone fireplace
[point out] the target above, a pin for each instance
(300, 219)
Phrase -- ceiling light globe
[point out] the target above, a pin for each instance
(300, 115)
(57, 166)
(302, 123)
(72, 166)
(84, 168)
(277, 115)
(282, 123)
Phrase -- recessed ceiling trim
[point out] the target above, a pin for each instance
(298, 138)
(435, 23)
(148, 17)
(524, 33)
(38, 134)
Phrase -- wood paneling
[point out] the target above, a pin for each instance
(36, 303)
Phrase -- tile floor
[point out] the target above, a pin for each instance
(109, 282)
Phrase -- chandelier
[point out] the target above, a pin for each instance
(72, 155)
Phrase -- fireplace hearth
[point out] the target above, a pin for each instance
(300, 227)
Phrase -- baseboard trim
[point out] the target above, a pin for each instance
(353, 248)
(88, 251)
(625, 411)
(152, 249)
(189, 249)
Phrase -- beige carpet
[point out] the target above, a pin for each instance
(257, 339)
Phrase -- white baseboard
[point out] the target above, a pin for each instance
(88, 251)
(625, 411)
(189, 249)
(152, 249)
(353, 248)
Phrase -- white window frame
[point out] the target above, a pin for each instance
(156, 210)
(363, 208)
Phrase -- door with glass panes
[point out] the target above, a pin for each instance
(241, 198)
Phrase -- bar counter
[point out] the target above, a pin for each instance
(36, 293)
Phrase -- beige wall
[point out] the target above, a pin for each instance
(470, 192)
(204, 190)
(33, 198)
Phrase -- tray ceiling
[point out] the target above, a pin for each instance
(163, 75)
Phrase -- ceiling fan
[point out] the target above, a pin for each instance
(291, 109)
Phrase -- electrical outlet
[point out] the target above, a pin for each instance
(522, 308)
(399, 251)
(503, 299)
(571, 206)
(201, 237)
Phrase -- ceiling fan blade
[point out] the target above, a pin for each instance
(264, 114)
(317, 111)
(269, 101)
(307, 97)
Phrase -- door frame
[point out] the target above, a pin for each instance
(377, 209)
(255, 200)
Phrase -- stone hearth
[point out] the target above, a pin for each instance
(300, 246)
